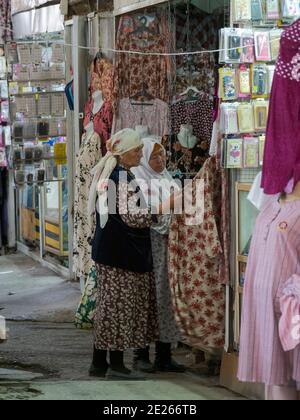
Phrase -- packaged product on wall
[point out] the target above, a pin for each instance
(44, 104)
(60, 151)
(36, 72)
(262, 143)
(251, 152)
(3, 68)
(57, 104)
(244, 81)
(259, 80)
(24, 54)
(261, 110)
(36, 53)
(275, 35)
(3, 160)
(228, 84)
(291, 9)
(12, 53)
(13, 88)
(58, 53)
(232, 45)
(273, 10)
(245, 118)
(222, 45)
(242, 10)
(7, 135)
(4, 111)
(271, 73)
(3, 89)
(234, 158)
(256, 10)
(21, 72)
(229, 118)
(262, 46)
(247, 53)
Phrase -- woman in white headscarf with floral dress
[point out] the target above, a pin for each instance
(157, 185)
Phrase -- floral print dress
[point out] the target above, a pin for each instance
(168, 329)
(195, 256)
(88, 156)
(126, 312)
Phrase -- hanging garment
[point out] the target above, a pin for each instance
(195, 254)
(102, 121)
(129, 23)
(168, 329)
(102, 78)
(185, 163)
(154, 117)
(199, 115)
(273, 259)
(282, 150)
(135, 73)
(5, 21)
(196, 31)
(202, 28)
(88, 156)
(198, 71)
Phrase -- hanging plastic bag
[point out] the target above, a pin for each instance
(69, 91)
(86, 309)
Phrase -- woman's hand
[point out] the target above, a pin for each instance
(170, 204)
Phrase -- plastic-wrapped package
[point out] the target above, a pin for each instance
(262, 46)
(245, 118)
(229, 118)
(228, 84)
(261, 110)
(251, 152)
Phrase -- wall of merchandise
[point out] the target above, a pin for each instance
(37, 108)
(5, 132)
(250, 50)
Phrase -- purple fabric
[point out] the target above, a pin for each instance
(282, 152)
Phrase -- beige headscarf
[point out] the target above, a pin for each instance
(122, 142)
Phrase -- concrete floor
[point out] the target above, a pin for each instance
(52, 358)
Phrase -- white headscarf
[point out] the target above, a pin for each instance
(122, 142)
(146, 177)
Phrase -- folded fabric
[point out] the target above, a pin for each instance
(289, 324)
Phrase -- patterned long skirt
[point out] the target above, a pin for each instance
(126, 314)
(168, 329)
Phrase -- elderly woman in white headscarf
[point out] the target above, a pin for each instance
(157, 186)
(126, 314)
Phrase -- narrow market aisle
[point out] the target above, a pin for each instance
(29, 291)
(46, 358)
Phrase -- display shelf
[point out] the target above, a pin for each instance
(41, 129)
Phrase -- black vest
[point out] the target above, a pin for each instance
(120, 246)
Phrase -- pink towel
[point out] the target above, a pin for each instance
(289, 324)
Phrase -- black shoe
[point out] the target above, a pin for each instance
(141, 360)
(170, 366)
(123, 374)
(97, 372)
(144, 366)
